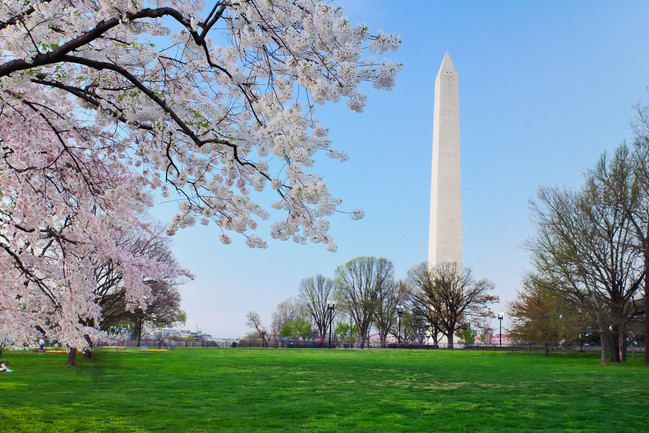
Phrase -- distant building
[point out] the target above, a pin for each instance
(495, 340)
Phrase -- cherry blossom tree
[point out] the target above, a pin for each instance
(162, 303)
(104, 103)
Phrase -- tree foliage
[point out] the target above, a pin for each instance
(541, 315)
(466, 334)
(102, 102)
(288, 310)
(347, 331)
(162, 304)
(296, 329)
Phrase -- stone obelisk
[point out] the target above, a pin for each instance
(445, 237)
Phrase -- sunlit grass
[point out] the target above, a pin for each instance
(234, 390)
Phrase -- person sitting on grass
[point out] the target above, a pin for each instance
(4, 368)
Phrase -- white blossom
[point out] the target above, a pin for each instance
(148, 104)
(357, 214)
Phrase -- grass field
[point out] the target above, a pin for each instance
(250, 390)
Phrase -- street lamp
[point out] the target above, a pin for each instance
(263, 337)
(500, 334)
(330, 308)
(399, 314)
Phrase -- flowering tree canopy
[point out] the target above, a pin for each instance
(103, 101)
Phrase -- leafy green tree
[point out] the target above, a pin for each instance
(299, 329)
(287, 310)
(541, 314)
(465, 334)
(347, 331)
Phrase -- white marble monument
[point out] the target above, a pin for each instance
(445, 236)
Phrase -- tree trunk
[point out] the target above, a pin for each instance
(602, 328)
(613, 340)
(603, 337)
(622, 344)
(450, 340)
(72, 358)
(87, 354)
(547, 349)
(139, 331)
(449, 335)
(646, 300)
(602, 332)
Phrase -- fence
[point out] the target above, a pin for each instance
(315, 344)
(281, 343)
(149, 342)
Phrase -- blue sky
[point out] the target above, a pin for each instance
(545, 88)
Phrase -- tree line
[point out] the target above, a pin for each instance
(434, 301)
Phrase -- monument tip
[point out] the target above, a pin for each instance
(447, 65)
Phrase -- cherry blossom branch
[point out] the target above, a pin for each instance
(91, 98)
(30, 276)
(56, 55)
(19, 17)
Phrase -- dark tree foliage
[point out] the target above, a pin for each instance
(540, 314)
(162, 308)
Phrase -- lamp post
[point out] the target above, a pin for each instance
(500, 333)
(330, 309)
(263, 337)
(399, 314)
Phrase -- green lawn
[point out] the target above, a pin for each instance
(236, 390)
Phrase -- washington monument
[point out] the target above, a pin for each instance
(445, 236)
